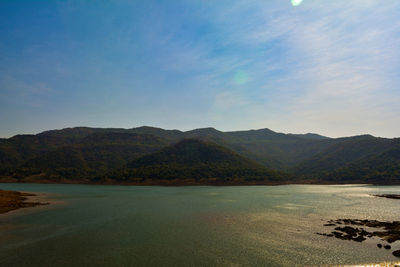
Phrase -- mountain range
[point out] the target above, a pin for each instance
(201, 156)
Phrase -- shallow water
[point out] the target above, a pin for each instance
(90, 225)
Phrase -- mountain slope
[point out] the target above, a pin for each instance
(274, 150)
(271, 149)
(343, 152)
(84, 153)
(312, 136)
(193, 159)
(383, 168)
(96, 154)
(18, 149)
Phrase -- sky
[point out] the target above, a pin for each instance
(328, 67)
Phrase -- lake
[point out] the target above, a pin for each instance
(94, 225)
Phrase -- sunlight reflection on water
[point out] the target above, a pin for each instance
(217, 226)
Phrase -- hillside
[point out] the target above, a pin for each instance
(201, 161)
(383, 168)
(18, 149)
(273, 150)
(83, 153)
(344, 152)
(94, 155)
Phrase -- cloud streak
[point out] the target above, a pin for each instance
(329, 67)
(337, 61)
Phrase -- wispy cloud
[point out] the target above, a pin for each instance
(324, 66)
(335, 64)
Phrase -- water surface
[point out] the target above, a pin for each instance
(92, 225)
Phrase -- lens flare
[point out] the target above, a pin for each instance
(296, 2)
(241, 77)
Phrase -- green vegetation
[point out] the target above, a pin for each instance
(195, 159)
(86, 154)
(360, 159)
(91, 156)
(377, 169)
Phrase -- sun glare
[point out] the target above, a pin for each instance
(296, 2)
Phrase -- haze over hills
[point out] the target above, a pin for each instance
(85, 153)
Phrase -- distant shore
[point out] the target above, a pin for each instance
(178, 182)
(147, 182)
(13, 200)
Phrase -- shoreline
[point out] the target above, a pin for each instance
(183, 182)
(15, 200)
(382, 264)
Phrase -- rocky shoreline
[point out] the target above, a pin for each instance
(393, 196)
(13, 200)
(354, 230)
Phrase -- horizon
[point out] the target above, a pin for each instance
(186, 130)
(329, 68)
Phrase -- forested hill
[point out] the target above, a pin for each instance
(196, 160)
(84, 153)
(378, 168)
(359, 159)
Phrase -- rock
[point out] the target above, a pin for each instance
(363, 232)
(379, 245)
(396, 253)
(386, 231)
(392, 236)
(387, 247)
(393, 196)
(348, 230)
(359, 238)
(337, 234)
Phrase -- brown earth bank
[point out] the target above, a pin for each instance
(172, 182)
(13, 200)
(38, 179)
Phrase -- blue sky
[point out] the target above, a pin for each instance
(330, 67)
